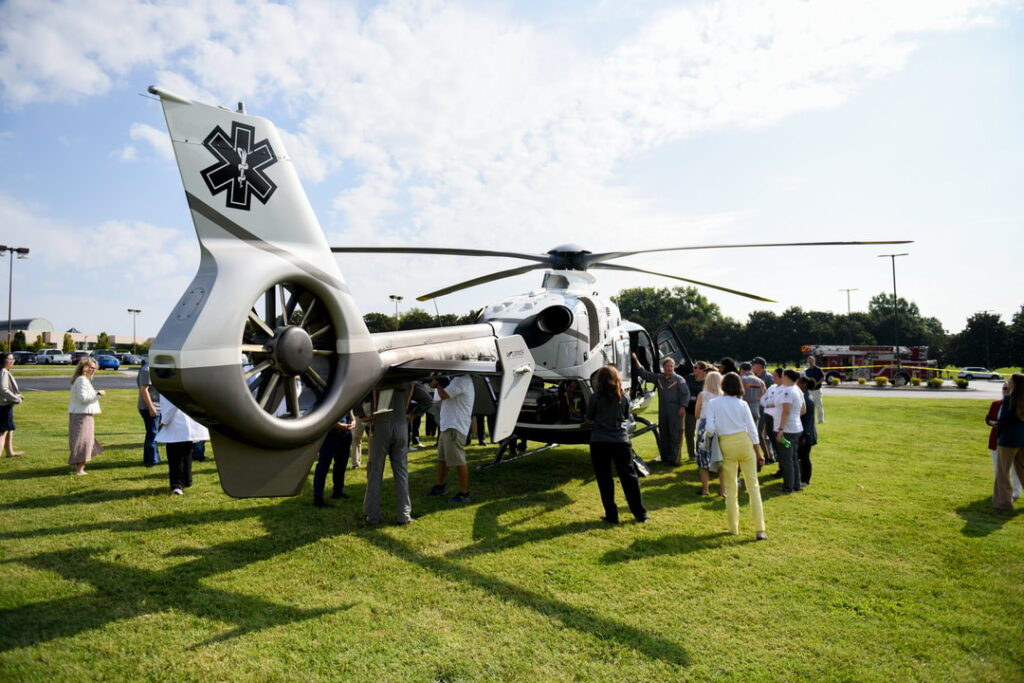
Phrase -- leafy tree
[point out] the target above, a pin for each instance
(1015, 340)
(470, 318)
(984, 340)
(448, 320)
(38, 344)
(3, 346)
(102, 341)
(69, 344)
(416, 318)
(19, 343)
(378, 322)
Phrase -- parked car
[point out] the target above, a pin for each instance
(131, 359)
(24, 358)
(77, 356)
(978, 373)
(53, 357)
(107, 361)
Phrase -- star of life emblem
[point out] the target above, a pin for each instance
(241, 162)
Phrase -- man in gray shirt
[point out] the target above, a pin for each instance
(673, 395)
(149, 409)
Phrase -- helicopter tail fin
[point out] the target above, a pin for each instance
(266, 347)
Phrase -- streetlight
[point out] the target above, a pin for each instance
(22, 252)
(984, 315)
(849, 326)
(851, 289)
(135, 313)
(895, 306)
(396, 298)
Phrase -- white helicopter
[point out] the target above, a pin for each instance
(572, 330)
(268, 287)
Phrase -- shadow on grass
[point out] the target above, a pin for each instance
(675, 544)
(65, 470)
(981, 519)
(86, 497)
(577, 618)
(123, 592)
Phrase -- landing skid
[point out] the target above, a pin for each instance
(509, 445)
(507, 451)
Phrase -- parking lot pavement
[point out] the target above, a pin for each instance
(981, 389)
(63, 383)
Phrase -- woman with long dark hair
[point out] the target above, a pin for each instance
(1009, 443)
(608, 411)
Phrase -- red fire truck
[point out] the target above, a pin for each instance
(870, 361)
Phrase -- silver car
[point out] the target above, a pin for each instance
(978, 373)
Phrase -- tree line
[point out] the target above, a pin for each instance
(778, 336)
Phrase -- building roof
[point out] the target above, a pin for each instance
(31, 324)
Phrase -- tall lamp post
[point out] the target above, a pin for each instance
(396, 298)
(135, 313)
(22, 252)
(988, 363)
(895, 307)
(849, 326)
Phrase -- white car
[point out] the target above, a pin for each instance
(978, 373)
(53, 357)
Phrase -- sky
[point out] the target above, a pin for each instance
(524, 125)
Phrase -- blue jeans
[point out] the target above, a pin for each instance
(199, 451)
(150, 452)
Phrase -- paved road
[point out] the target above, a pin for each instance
(988, 390)
(29, 383)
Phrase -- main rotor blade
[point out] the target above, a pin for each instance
(591, 259)
(501, 274)
(540, 258)
(612, 266)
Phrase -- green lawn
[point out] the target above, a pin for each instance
(891, 566)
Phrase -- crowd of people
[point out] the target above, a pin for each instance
(733, 417)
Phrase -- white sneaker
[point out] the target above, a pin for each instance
(177, 492)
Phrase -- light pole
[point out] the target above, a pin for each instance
(984, 314)
(849, 325)
(895, 306)
(22, 252)
(135, 313)
(851, 289)
(396, 298)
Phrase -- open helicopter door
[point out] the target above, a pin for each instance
(669, 344)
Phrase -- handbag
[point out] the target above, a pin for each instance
(642, 470)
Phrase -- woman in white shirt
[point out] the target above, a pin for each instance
(729, 418)
(178, 432)
(706, 448)
(84, 404)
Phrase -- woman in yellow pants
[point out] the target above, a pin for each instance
(729, 417)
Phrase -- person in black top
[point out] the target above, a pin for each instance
(695, 385)
(608, 411)
(813, 372)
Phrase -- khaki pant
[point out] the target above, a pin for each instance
(738, 454)
(1002, 491)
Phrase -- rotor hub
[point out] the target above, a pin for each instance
(292, 349)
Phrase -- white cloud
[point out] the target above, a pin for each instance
(115, 264)
(458, 124)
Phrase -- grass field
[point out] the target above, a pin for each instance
(891, 566)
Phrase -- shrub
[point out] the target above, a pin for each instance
(962, 382)
(861, 380)
(915, 381)
(935, 382)
(881, 381)
(833, 381)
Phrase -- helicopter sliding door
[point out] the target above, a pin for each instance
(669, 344)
